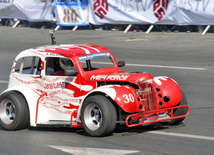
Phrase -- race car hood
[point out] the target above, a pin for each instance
(128, 76)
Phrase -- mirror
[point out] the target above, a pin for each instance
(121, 63)
(72, 72)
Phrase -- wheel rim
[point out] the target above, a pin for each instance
(93, 116)
(7, 111)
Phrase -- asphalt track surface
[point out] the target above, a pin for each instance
(185, 57)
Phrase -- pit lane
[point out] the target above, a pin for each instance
(168, 54)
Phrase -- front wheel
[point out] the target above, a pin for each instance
(98, 116)
(178, 112)
(13, 111)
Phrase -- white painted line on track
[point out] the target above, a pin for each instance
(3, 81)
(182, 135)
(92, 151)
(161, 66)
(171, 67)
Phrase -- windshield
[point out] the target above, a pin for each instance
(96, 61)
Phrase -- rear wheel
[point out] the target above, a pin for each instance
(98, 116)
(13, 111)
(178, 112)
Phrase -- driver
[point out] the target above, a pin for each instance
(65, 64)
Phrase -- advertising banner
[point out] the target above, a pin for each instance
(31, 10)
(71, 12)
(98, 12)
(177, 12)
(194, 12)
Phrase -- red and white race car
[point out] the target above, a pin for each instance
(82, 86)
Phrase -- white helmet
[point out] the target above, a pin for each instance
(66, 64)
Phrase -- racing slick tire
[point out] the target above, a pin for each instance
(14, 113)
(178, 112)
(98, 116)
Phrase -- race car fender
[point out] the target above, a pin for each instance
(124, 96)
(168, 92)
(31, 96)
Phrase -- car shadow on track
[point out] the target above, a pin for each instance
(120, 130)
(125, 131)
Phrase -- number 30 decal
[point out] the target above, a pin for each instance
(128, 98)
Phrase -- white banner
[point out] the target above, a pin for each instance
(194, 12)
(31, 10)
(177, 12)
(71, 12)
(98, 12)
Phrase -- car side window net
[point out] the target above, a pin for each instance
(28, 65)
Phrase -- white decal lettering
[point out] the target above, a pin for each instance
(128, 98)
(109, 77)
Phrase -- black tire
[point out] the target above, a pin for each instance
(98, 116)
(14, 114)
(178, 112)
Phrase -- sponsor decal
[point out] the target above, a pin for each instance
(109, 77)
(95, 55)
(53, 54)
(56, 54)
(100, 8)
(159, 8)
(31, 82)
(54, 85)
(72, 12)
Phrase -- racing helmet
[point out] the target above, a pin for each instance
(66, 64)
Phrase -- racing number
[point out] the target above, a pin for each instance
(128, 98)
(70, 16)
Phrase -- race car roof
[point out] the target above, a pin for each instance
(67, 50)
(73, 49)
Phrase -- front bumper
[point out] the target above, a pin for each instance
(149, 117)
